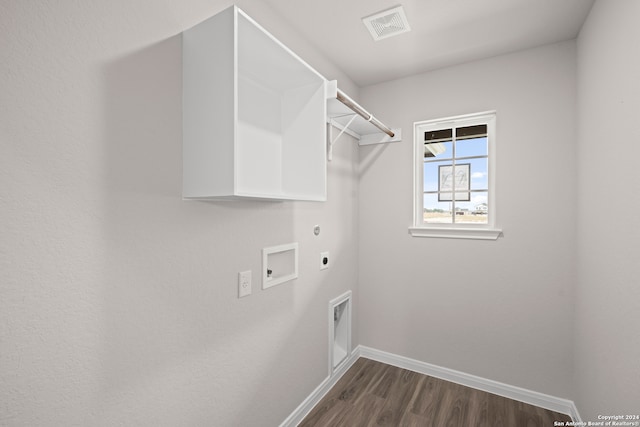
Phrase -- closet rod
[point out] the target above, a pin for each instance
(342, 97)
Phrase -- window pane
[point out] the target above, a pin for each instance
(431, 175)
(462, 177)
(442, 150)
(471, 147)
(438, 135)
(479, 173)
(469, 132)
(452, 178)
(474, 211)
(436, 212)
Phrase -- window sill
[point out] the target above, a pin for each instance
(456, 233)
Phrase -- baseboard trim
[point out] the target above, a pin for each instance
(545, 401)
(542, 400)
(316, 395)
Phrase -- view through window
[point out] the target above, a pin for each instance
(456, 175)
(455, 170)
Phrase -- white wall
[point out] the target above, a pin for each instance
(498, 309)
(118, 300)
(607, 351)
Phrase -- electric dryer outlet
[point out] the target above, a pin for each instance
(324, 260)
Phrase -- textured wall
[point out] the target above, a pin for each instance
(607, 347)
(498, 309)
(118, 300)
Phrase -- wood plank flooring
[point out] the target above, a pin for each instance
(371, 393)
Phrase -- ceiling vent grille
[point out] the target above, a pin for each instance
(387, 23)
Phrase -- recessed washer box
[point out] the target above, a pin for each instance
(279, 264)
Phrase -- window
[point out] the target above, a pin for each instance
(454, 164)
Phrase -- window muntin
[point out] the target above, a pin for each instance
(454, 173)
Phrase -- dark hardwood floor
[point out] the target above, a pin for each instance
(375, 394)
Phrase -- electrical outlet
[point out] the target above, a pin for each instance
(244, 283)
(324, 260)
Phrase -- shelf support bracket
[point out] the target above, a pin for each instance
(334, 140)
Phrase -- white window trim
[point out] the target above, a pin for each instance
(462, 231)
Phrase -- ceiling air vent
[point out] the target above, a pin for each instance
(387, 23)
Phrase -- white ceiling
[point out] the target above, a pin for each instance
(443, 32)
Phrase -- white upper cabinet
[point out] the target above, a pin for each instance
(254, 115)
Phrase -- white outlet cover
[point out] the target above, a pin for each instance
(244, 283)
